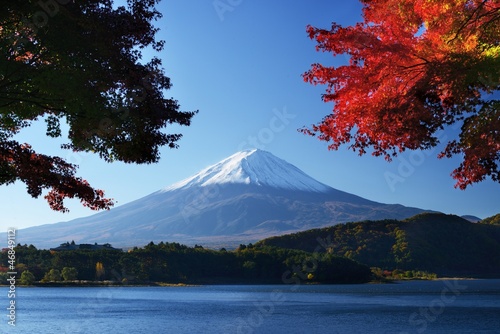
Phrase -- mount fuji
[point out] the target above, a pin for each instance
(253, 167)
(246, 197)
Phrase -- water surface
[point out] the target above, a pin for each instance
(409, 307)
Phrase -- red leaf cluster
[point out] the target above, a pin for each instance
(39, 171)
(414, 67)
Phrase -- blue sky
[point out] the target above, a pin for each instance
(239, 62)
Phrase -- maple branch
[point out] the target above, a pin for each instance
(7, 104)
(412, 78)
(412, 66)
(494, 17)
(6, 78)
(36, 103)
(466, 23)
(422, 58)
(9, 83)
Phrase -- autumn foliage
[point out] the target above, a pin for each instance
(39, 171)
(415, 68)
(80, 62)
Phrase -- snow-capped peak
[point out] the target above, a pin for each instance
(255, 167)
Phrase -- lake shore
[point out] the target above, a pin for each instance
(208, 283)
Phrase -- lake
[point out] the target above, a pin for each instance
(453, 306)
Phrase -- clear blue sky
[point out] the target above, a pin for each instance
(241, 66)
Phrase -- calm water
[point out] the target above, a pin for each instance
(410, 307)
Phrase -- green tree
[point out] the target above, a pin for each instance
(27, 278)
(3, 277)
(21, 267)
(493, 220)
(53, 275)
(249, 268)
(69, 273)
(400, 248)
(81, 63)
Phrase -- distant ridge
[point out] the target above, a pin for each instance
(472, 219)
(246, 197)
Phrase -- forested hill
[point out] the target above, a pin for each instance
(494, 220)
(439, 243)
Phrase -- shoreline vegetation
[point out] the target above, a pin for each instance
(79, 283)
(173, 263)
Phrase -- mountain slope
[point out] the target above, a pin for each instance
(443, 244)
(244, 198)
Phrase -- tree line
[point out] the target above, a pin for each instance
(176, 263)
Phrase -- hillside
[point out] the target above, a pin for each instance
(444, 244)
(493, 220)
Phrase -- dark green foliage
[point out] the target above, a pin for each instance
(175, 263)
(69, 273)
(171, 262)
(85, 262)
(443, 244)
(368, 242)
(450, 245)
(37, 260)
(81, 63)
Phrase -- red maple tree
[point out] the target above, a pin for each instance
(415, 67)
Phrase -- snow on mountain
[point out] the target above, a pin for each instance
(246, 197)
(255, 167)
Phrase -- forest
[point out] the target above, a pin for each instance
(174, 263)
(446, 245)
